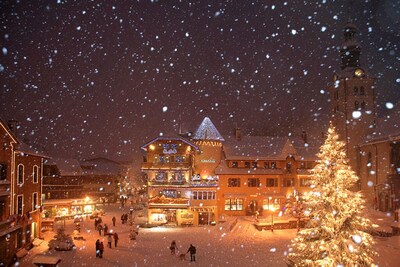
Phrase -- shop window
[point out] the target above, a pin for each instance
(233, 182)
(272, 182)
(271, 204)
(20, 174)
(233, 204)
(35, 174)
(253, 182)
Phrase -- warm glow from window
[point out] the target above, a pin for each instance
(152, 147)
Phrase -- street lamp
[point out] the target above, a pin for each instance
(272, 209)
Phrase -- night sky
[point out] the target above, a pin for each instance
(100, 78)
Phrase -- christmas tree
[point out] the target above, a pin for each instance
(336, 233)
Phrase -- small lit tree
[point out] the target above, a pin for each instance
(336, 233)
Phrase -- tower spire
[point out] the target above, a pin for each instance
(351, 50)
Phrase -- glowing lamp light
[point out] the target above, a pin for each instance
(87, 199)
(356, 114)
(152, 147)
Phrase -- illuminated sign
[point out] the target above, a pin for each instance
(208, 160)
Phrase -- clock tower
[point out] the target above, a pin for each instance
(353, 97)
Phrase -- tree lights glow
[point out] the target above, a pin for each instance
(336, 233)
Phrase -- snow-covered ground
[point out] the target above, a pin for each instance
(221, 245)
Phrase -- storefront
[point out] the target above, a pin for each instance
(67, 208)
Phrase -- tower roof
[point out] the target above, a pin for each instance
(207, 131)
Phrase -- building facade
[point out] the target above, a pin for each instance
(371, 141)
(20, 194)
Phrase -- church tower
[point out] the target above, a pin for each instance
(209, 140)
(353, 97)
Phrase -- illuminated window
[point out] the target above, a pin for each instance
(305, 182)
(233, 204)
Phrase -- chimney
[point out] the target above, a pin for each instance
(238, 134)
(304, 137)
(13, 125)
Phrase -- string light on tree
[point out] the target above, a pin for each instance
(337, 232)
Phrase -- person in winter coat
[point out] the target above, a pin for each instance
(116, 239)
(97, 248)
(101, 250)
(114, 220)
(173, 247)
(99, 228)
(192, 250)
(105, 229)
(109, 240)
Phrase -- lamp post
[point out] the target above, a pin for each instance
(272, 209)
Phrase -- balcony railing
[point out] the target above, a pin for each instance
(165, 165)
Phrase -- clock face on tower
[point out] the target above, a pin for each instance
(359, 72)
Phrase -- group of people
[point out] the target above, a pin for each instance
(124, 218)
(191, 250)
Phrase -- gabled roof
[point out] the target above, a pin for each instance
(8, 131)
(207, 131)
(267, 148)
(169, 138)
(101, 166)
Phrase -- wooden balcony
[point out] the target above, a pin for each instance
(165, 166)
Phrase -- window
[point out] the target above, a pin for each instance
(288, 182)
(35, 201)
(355, 90)
(305, 182)
(20, 174)
(369, 160)
(203, 195)
(233, 182)
(289, 166)
(363, 105)
(309, 165)
(20, 208)
(3, 171)
(170, 193)
(247, 164)
(362, 90)
(254, 165)
(3, 214)
(266, 165)
(273, 165)
(233, 204)
(272, 182)
(234, 164)
(271, 204)
(35, 174)
(356, 105)
(253, 182)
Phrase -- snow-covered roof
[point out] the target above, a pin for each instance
(207, 131)
(170, 138)
(66, 167)
(267, 148)
(101, 166)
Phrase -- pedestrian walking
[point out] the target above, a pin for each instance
(122, 218)
(99, 228)
(192, 250)
(105, 229)
(101, 250)
(97, 248)
(109, 240)
(116, 239)
(96, 223)
(173, 247)
(113, 220)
